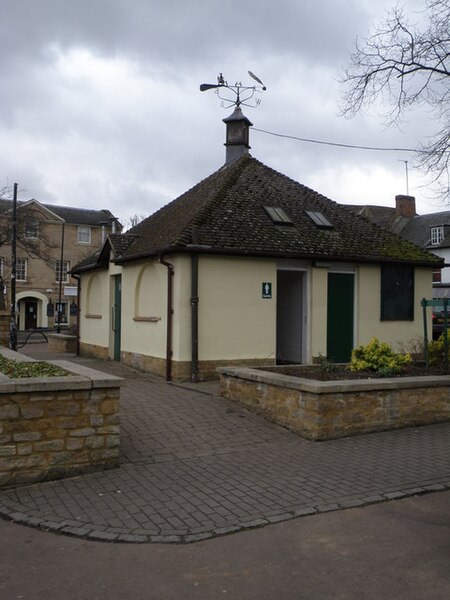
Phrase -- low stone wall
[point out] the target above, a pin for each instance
(62, 342)
(321, 410)
(53, 427)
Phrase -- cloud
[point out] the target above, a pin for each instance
(100, 102)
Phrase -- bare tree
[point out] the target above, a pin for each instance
(134, 220)
(408, 66)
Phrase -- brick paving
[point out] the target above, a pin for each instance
(194, 465)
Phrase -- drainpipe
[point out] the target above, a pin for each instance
(194, 318)
(78, 278)
(170, 273)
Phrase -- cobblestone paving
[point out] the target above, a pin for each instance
(194, 465)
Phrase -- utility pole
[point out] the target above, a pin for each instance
(13, 323)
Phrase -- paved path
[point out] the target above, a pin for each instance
(195, 466)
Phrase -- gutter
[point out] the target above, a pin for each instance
(268, 254)
(169, 338)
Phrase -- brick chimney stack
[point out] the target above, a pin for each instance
(237, 135)
(405, 206)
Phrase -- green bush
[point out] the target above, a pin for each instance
(380, 358)
(436, 351)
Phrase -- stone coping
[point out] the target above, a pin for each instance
(62, 336)
(80, 377)
(336, 386)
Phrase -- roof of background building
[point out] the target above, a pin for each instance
(70, 214)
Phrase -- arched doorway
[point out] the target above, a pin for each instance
(32, 310)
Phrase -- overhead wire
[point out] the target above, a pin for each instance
(339, 144)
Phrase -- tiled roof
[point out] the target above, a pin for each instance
(225, 213)
(70, 214)
(418, 229)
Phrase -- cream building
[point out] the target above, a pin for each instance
(249, 268)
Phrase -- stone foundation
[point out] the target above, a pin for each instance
(181, 370)
(321, 410)
(53, 427)
(93, 351)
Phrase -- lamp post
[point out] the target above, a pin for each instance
(58, 328)
(13, 324)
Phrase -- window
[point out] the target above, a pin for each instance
(437, 235)
(21, 269)
(278, 215)
(84, 234)
(31, 228)
(65, 269)
(319, 219)
(437, 275)
(397, 293)
(61, 313)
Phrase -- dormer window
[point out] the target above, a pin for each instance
(319, 219)
(278, 215)
(437, 235)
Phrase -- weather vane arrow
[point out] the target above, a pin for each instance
(242, 94)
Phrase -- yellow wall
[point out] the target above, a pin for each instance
(234, 320)
(395, 333)
(144, 308)
(95, 308)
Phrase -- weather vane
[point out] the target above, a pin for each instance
(237, 94)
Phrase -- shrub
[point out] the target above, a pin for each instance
(380, 358)
(436, 351)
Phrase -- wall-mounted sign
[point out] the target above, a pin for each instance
(70, 290)
(267, 290)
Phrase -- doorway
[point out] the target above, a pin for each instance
(31, 307)
(289, 341)
(340, 316)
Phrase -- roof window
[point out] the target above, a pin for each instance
(319, 219)
(278, 215)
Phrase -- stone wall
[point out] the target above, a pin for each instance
(54, 427)
(321, 410)
(62, 342)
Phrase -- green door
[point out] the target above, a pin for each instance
(116, 315)
(340, 313)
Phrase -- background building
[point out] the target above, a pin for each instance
(50, 240)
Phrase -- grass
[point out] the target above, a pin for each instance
(16, 368)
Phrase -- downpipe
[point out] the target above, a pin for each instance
(169, 342)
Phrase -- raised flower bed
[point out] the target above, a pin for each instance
(321, 410)
(53, 426)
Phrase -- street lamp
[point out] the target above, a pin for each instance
(58, 328)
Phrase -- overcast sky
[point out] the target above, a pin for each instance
(100, 104)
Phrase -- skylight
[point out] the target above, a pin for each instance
(278, 215)
(319, 219)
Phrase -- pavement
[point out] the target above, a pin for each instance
(195, 466)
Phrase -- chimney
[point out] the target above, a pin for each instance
(405, 206)
(237, 135)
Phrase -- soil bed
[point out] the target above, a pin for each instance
(342, 372)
